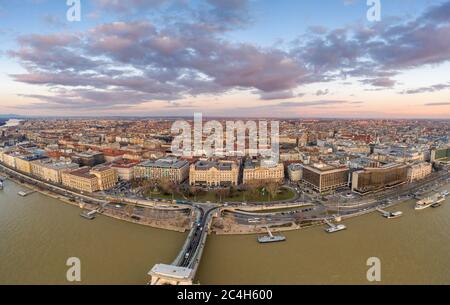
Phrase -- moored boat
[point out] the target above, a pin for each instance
(335, 229)
(429, 201)
(393, 215)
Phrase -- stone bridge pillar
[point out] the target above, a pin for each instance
(171, 275)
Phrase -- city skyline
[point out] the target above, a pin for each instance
(226, 59)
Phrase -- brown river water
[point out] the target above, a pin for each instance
(38, 234)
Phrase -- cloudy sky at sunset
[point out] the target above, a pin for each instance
(249, 58)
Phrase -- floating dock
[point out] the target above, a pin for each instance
(89, 215)
(332, 228)
(390, 215)
(271, 238)
(25, 193)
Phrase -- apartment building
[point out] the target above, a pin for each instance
(106, 176)
(372, 180)
(125, 168)
(51, 171)
(295, 172)
(9, 159)
(174, 169)
(81, 179)
(90, 180)
(325, 178)
(24, 162)
(214, 173)
(263, 171)
(419, 171)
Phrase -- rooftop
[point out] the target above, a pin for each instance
(220, 165)
(124, 163)
(323, 168)
(83, 172)
(169, 163)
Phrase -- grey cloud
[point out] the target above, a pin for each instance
(315, 103)
(437, 104)
(433, 88)
(384, 82)
(277, 95)
(191, 57)
(322, 92)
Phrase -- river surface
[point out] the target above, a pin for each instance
(11, 123)
(38, 234)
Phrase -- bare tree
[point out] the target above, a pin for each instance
(168, 187)
(272, 189)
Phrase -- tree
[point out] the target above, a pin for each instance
(272, 189)
(194, 191)
(253, 188)
(168, 187)
(222, 193)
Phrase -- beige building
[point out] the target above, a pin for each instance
(125, 168)
(263, 171)
(174, 169)
(106, 176)
(81, 180)
(2, 152)
(90, 180)
(325, 178)
(212, 173)
(9, 159)
(295, 172)
(419, 171)
(23, 164)
(51, 171)
(290, 156)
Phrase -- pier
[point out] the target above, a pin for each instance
(270, 238)
(329, 223)
(26, 193)
(183, 269)
(89, 215)
(389, 215)
(332, 228)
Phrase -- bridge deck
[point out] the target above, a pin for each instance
(184, 267)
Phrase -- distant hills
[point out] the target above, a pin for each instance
(10, 116)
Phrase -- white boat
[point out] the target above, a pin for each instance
(1, 185)
(428, 202)
(445, 193)
(393, 215)
(424, 204)
(335, 229)
(441, 198)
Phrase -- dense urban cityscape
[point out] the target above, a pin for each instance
(328, 170)
(203, 143)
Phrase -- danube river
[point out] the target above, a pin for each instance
(11, 123)
(38, 234)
